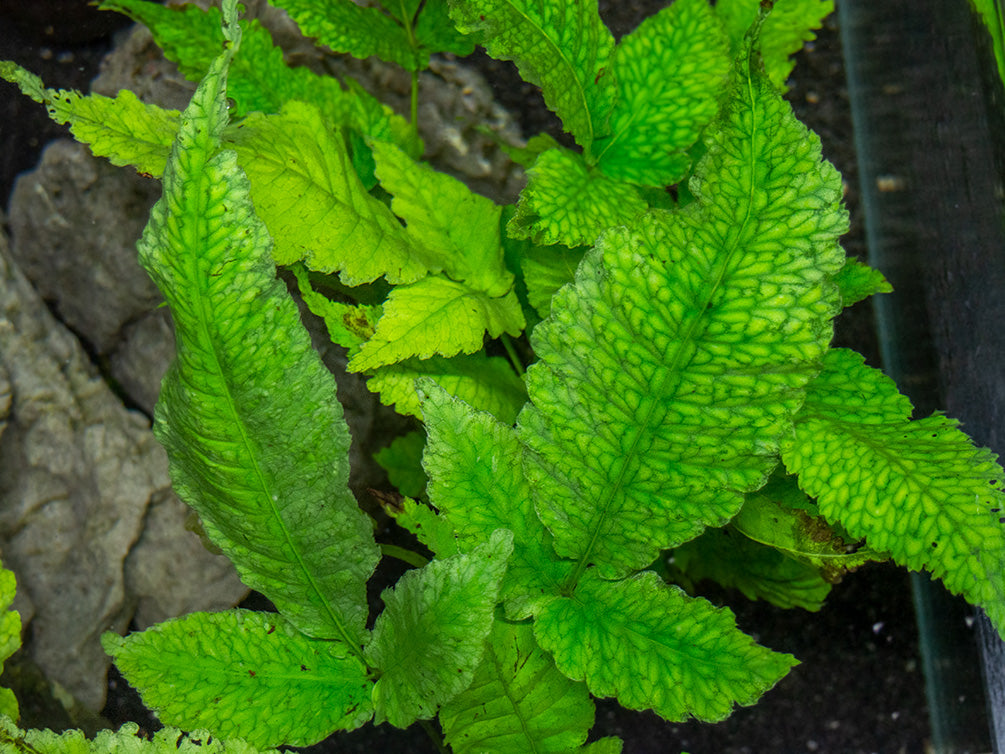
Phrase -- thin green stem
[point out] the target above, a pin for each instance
(404, 554)
(513, 357)
(414, 112)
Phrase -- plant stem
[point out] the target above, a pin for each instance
(513, 357)
(402, 553)
(414, 113)
(435, 736)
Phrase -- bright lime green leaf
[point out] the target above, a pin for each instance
(128, 739)
(653, 647)
(475, 468)
(10, 637)
(348, 325)
(432, 530)
(436, 316)
(760, 573)
(518, 701)
(858, 281)
(203, 670)
(312, 201)
(919, 489)
(670, 75)
(566, 202)
(431, 635)
(260, 80)
(670, 370)
(123, 129)
(487, 383)
(561, 46)
(789, 25)
(402, 460)
(247, 392)
(459, 228)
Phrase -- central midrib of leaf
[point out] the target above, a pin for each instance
(690, 330)
(503, 673)
(204, 309)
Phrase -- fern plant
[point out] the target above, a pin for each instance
(680, 380)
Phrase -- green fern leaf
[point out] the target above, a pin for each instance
(487, 383)
(247, 393)
(561, 46)
(570, 203)
(200, 671)
(787, 28)
(518, 701)
(10, 637)
(431, 635)
(436, 315)
(918, 489)
(475, 467)
(458, 228)
(310, 197)
(123, 129)
(671, 369)
(128, 739)
(348, 325)
(675, 655)
(432, 530)
(858, 281)
(669, 75)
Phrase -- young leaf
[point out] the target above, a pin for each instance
(487, 383)
(200, 671)
(436, 315)
(670, 370)
(310, 197)
(918, 489)
(669, 76)
(653, 647)
(430, 637)
(561, 46)
(570, 203)
(123, 129)
(247, 393)
(858, 281)
(518, 701)
(126, 740)
(348, 325)
(475, 467)
(787, 28)
(10, 637)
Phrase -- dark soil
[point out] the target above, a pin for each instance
(859, 687)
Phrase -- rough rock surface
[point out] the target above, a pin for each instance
(79, 472)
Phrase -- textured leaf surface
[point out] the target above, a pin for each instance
(566, 202)
(788, 27)
(475, 466)
(546, 269)
(518, 702)
(126, 740)
(247, 393)
(669, 76)
(123, 129)
(487, 383)
(436, 315)
(653, 647)
(222, 671)
(310, 197)
(431, 635)
(348, 325)
(670, 370)
(561, 46)
(458, 228)
(10, 637)
(919, 489)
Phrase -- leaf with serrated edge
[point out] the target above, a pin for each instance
(475, 467)
(858, 281)
(436, 316)
(919, 490)
(669, 75)
(459, 228)
(561, 46)
(200, 671)
(670, 370)
(487, 383)
(430, 637)
(518, 702)
(653, 647)
(10, 637)
(247, 393)
(123, 129)
(310, 197)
